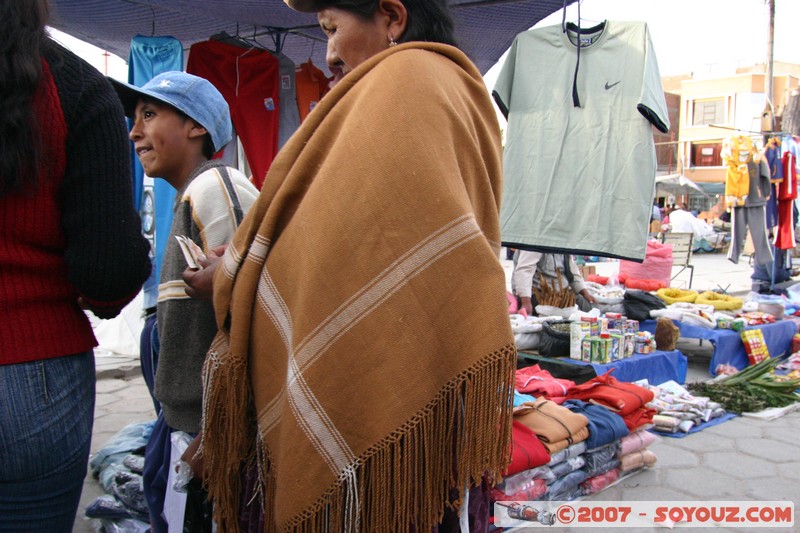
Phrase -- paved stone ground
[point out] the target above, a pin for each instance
(742, 459)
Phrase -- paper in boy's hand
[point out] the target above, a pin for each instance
(191, 252)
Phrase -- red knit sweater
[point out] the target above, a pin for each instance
(56, 243)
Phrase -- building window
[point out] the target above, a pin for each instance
(706, 154)
(711, 111)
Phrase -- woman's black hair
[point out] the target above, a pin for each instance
(428, 20)
(23, 39)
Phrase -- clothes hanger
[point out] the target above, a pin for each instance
(594, 25)
(576, 101)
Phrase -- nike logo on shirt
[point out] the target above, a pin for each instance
(608, 86)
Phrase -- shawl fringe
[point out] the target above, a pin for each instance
(229, 426)
(448, 444)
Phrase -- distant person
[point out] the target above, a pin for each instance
(179, 122)
(656, 215)
(558, 270)
(70, 238)
(705, 238)
(655, 219)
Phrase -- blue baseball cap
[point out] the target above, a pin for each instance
(312, 6)
(194, 96)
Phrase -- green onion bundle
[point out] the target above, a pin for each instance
(751, 390)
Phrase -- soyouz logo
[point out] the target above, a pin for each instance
(736, 514)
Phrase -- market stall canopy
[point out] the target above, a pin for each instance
(677, 184)
(484, 28)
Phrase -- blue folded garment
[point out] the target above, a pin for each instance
(605, 426)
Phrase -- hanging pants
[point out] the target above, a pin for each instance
(784, 233)
(149, 57)
(249, 81)
(754, 218)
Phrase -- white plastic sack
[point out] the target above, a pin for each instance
(527, 341)
(549, 310)
(174, 501)
(577, 315)
(674, 314)
(611, 308)
(523, 324)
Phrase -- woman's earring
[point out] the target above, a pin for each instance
(392, 42)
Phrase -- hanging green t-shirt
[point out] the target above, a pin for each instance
(580, 179)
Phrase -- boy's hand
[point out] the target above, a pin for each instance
(200, 283)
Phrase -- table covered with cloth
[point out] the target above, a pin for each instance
(656, 367)
(728, 347)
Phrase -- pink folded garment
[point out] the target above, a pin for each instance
(638, 440)
(635, 460)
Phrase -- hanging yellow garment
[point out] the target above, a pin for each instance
(737, 151)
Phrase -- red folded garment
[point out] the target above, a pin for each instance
(595, 484)
(594, 278)
(619, 396)
(527, 451)
(639, 417)
(534, 380)
(644, 284)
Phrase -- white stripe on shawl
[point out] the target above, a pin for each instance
(310, 415)
(374, 293)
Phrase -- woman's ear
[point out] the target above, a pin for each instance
(396, 16)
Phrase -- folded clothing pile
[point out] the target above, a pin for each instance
(118, 467)
(556, 426)
(628, 400)
(678, 410)
(633, 451)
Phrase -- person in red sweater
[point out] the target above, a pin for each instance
(69, 239)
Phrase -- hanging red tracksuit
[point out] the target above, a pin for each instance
(787, 192)
(249, 81)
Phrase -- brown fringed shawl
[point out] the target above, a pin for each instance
(362, 308)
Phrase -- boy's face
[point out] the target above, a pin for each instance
(166, 142)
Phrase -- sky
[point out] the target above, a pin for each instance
(703, 37)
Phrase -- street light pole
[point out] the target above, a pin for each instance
(768, 125)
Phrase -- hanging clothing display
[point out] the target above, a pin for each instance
(249, 81)
(311, 87)
(289, 114)
(603, 150)
(786, 195)
(737, 152)
(752, 214)
(149, 57)
(772, 155)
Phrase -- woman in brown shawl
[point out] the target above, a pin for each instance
(365, 360)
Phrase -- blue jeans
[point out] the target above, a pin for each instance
(46, 418)
(156, 473)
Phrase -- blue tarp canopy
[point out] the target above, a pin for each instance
(484, 28)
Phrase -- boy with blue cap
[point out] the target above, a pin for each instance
(179, 122)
